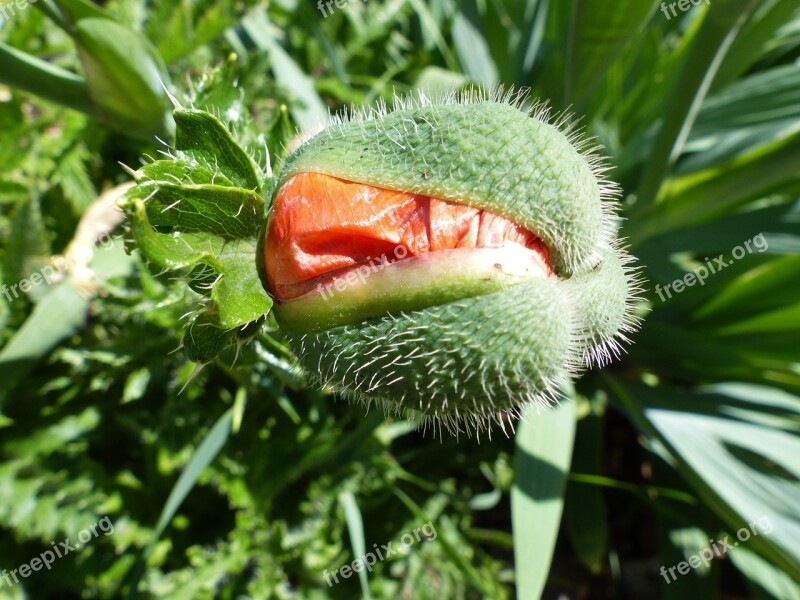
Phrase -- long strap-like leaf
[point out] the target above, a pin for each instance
(544, 453)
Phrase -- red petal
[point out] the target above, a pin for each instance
(321, 224)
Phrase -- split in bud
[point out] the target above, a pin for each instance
(338, 252)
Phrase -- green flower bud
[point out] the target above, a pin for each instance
(126, 78)
(458, 334)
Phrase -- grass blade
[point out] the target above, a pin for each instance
(355, 525)
(735, 446)
(309, 111)
(719, 29)
(544, 451)
(715, 192)
(59, 315)
(473, 48)
(756, 34)
(585, 511)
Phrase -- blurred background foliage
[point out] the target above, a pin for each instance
(238, 480)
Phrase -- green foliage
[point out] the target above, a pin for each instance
(692, 436)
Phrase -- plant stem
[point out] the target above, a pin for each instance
(31, 74)
(54, 12)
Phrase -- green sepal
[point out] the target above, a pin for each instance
(476, 356)
(488, 155)
(405, 286)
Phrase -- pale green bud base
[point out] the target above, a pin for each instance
(373, 290)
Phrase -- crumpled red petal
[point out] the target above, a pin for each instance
(321, 226)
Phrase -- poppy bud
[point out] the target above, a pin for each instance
(454, 260)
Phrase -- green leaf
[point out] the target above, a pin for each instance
(178, 29)
(544, 451)
(751, 43)
(238, 292)
(204, 340)
(683, 352)
(204, 210)
(59, 315)
(498, 42)
(597, 39)
(308, 111)
(736, 446)
(782, 320)
(437, 82)
(778, 223)
(677, 544)
(751, 112)
(205, 142)
(431, 32)
(585, 512)
(714, 192)
(182, 172)
(74, 179)
(769, 581)
(27, 246)
(228, 212)
(472, 47)
(771, 286)
(720, 26)
(4, 309)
